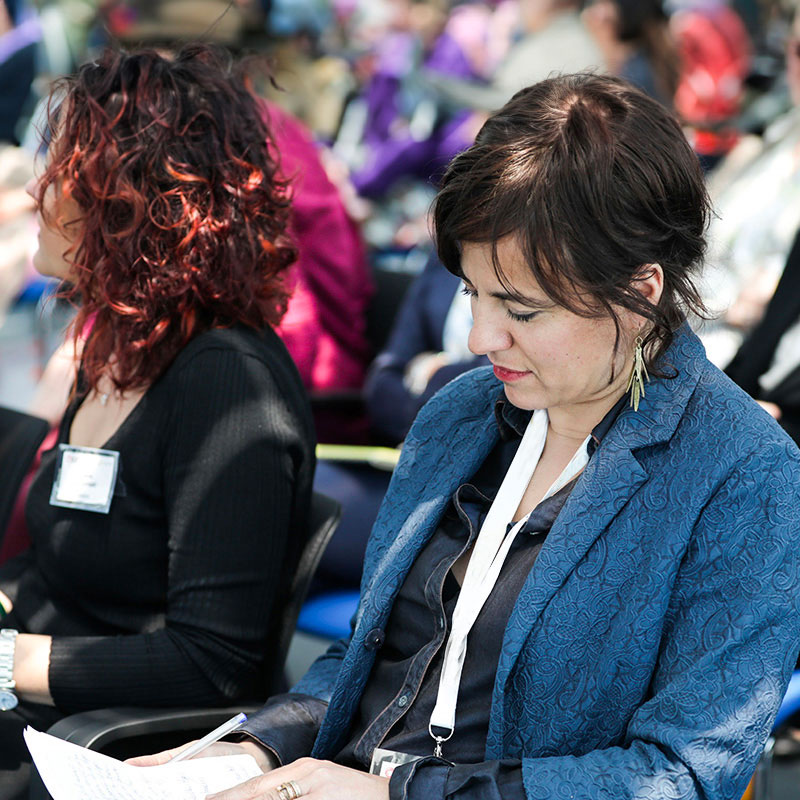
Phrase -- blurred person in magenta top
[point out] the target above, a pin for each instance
(324, 327)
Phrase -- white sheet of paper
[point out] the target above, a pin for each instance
(71, 772)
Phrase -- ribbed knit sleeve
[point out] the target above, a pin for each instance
(236, 447)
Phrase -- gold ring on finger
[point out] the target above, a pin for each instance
(295, 787)
(284, 792)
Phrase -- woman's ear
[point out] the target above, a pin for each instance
(649, 282)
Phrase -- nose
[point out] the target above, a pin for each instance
(489, 334)
(30, 188)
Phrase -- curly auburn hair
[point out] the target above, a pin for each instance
(183, 215)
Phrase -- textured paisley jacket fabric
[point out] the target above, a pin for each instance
(649, 648)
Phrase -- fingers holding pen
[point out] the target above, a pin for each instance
(261, 756)
(156, 759)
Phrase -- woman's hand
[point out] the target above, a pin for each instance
(31, 666)
(421, 369)
(314, 779)
(265, 760)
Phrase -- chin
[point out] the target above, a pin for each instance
(41, 265)
(526, 400)
(47, 269)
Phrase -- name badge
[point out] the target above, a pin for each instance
(385, 762)
(85, 478)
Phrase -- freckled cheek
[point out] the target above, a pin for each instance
(556, 368)
(546, 360)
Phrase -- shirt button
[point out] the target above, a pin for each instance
(402, 701)
(374, 639)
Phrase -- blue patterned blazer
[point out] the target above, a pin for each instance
(650, 646)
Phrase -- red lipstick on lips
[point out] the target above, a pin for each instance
(508, 375)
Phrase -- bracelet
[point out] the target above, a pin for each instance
(8, 697)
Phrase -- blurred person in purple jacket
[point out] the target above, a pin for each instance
(446, 90)
(407, 131)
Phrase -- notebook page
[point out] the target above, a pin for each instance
(71, 772)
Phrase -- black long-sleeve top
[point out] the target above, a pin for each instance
(173, 597)
(755, 355)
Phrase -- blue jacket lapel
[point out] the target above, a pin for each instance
(588, 513)
(442, 453)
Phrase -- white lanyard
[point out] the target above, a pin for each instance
(488, 554)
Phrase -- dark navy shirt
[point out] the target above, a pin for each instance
(402, 689)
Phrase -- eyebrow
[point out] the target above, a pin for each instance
(518, 298)
(521, 298)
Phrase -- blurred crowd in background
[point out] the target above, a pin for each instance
(370, 99)
(392, 89)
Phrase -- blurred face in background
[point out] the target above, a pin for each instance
(6, 23)
(601, 18)
(537, 14)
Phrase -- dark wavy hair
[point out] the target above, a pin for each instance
(183, 215)
(596, 181)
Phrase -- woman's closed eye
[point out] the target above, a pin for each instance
(519, 316)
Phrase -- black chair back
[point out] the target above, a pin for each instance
(323, 521)
(390, 289)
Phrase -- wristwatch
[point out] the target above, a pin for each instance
(8, 644)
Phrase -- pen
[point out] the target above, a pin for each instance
(227, 727)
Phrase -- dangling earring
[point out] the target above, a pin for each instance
(638, 375)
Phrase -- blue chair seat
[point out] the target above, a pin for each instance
(328, 615)
(791, 700)
(35, 289)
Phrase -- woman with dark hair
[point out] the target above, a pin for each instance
(638, 46)
(584, 580)
(167, 522)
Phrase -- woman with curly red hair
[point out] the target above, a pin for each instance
(168, 518)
